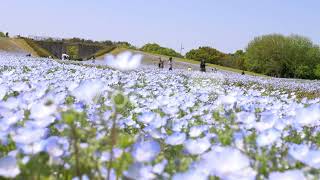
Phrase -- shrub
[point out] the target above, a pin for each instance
(157, 49)
(209, 54)
(317, 71)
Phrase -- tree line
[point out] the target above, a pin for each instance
(275, 55)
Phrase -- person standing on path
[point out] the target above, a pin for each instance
(170, 64)
(203, 66)
(160, 61)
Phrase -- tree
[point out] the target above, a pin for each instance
(2, 34)
(316, 71)
(157, 49)
(209, 54)
(282, 56)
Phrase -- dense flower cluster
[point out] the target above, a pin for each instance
(56, 120)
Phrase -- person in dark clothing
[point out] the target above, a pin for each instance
(242, 73)
(159, 64)
(170, 64)
(203, 66)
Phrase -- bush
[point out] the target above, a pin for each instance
(157, 49)
(283, 56)
(2, 34)
(209, 54)
(317, 71)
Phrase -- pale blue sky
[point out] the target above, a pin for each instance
(226, 25)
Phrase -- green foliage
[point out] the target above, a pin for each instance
(210, 55)
(283, 56)
(157, 49)
(2, 34)
(73, 51)
(316, 71)
(236, 60)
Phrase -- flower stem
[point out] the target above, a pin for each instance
(113, 142)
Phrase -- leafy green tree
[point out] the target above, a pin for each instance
(2, 34)
(157, 49)
(209, 54)
(317, 71)
(282, 56)
(303, 71)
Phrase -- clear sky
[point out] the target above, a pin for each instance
(226, 25)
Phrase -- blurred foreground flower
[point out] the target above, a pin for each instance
(9, 167)
(125, 61)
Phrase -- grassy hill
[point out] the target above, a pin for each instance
(41, 52)
(15, 45)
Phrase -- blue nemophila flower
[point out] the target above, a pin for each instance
(3, 91)
(9, 167)
(28, 135)
(41, 111)
(140, 171)
(12, 103)
(88, 90)
(159, 168)
(287, 175)
(196, 131)
(176, 138)
(191, 175)
(304, 154)
(308, 116)
(268, 137)
(197, 146)
(56, 146)
(145, 151)
(147, 117)
(226, 163)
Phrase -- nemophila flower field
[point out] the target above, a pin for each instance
(66, 121)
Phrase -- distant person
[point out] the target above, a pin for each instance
(93, 59)
(170, 64)
(203, 66)
(243, 73)
(65, 56)
(160, 63)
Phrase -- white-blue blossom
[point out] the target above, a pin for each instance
(145, 151)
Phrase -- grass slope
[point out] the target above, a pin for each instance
(13, 46)
(24, 45)
(40, 51)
